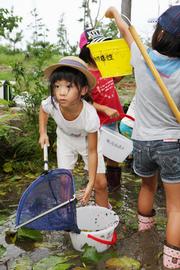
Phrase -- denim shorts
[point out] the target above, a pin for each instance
(151, 156)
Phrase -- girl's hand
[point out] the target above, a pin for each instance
(112, 113)
(87, 194)
(110, 12)
(44, 139)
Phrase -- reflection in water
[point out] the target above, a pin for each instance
(145, 247)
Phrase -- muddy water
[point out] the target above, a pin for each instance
(145, 247)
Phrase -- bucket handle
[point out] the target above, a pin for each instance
(103, 241)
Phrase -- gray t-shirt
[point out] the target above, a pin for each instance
(154, 118)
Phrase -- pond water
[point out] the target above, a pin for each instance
(54, 250)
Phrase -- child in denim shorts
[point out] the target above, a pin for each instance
(156, 132)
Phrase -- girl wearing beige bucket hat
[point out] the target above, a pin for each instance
(77, 123)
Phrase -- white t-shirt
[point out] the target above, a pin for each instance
(86, 122)
(72, 135)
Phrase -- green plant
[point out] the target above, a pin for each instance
(31, 85)
(5, 120)
(8, 21)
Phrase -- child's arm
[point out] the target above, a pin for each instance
(110, 112)
(43, 119)
(111, 13)
(92, 165)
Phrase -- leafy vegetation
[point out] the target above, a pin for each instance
(8, 21)
(23, 125)
(2, 250)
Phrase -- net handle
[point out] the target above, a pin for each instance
(45, 155)
(103, 241)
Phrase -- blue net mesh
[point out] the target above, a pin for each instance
(46, 192)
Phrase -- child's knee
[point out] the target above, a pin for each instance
(101, 182)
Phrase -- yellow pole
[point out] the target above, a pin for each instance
(155, 73)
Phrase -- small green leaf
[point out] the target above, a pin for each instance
(90, 254)
(15, 178)
(61, 266)
(124, 263)
(7, 167)
(29, 233)
(49, 263)
(2, 250)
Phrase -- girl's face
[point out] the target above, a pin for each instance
(66, 93)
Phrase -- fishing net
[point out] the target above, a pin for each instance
(49, 203)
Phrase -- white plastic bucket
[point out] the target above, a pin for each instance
(114, 145)
(97, 225)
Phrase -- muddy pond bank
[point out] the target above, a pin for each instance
(54, 251)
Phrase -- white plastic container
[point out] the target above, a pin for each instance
(97, 225)
(114, 145)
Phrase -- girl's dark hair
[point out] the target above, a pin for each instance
(71, 75)
(85, 55)
(165, 43)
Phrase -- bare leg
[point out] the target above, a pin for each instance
(172, 192)
(146, 195)
(101, 193)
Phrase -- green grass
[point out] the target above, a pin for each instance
(6, 76)
(7, 61)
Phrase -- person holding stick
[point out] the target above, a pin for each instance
(156, 132)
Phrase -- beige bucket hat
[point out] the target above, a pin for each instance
(73, 62)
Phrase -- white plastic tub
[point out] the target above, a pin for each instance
(97, 225)
(114, 145)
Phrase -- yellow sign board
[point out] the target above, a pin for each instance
(112, 57)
